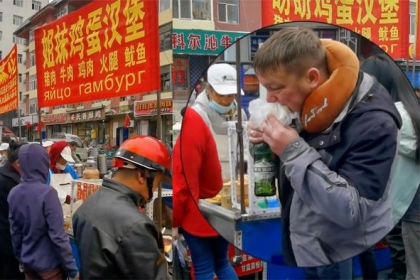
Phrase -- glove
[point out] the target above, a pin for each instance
(21, 269)
(68, 200)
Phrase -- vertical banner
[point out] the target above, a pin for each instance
(384, 22)
(9, 86)
(417, 32)
(105, 49)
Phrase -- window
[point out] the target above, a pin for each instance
(33, 106)
(1, 35)
(164, 5)
(165, 37)
(228, 11)
(1, 16)
(61, 12)
(18, 3)
(1, 54)
(124, 98)
(20, 96)
(412, 19)
(36, 5)
(20, 78)
(192, 9)
(32, 58)
(165, 78)
(17, 20)
(32, 82)
(20, 58)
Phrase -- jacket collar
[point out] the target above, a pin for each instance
(124, 190)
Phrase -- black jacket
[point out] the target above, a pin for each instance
(115, 240)
(9, 178)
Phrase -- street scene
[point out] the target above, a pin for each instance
(209, 139)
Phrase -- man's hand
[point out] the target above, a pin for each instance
(254, 134)
(277, 136)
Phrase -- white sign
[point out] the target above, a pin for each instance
(33, 119)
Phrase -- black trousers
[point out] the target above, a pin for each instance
(9, 268)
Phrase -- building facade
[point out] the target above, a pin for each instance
(12, 15)
(103, 120)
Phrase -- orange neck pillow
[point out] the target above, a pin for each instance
(325, 104)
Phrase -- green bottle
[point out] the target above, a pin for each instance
(264, 170)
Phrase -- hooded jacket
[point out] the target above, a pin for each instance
(335, 187)
(36, 217)
(9, 178)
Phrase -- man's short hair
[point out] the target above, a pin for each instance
(73, 143)
(292, 49)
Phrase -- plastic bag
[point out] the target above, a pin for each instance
(259, 109)
(181, 268)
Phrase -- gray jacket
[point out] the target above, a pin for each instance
(335, 186)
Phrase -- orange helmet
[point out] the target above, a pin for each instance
(144, 151)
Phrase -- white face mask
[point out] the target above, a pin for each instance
(60, 166)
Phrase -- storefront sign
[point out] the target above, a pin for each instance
(54, 119)
(9, 97)
(24, 120)
(87, 116)
(386, 23)
(255, 41)
(149, 108)
(203, 42)
(105, 49)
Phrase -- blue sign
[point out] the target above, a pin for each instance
(255, 40)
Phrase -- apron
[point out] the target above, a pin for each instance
(62, 183)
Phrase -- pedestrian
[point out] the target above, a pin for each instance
(36, 217)
(73, 147)
(9, 178)
(115, 239)
(403, 239)
(335, 164)
(201, 165)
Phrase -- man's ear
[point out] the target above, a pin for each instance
(141, 177)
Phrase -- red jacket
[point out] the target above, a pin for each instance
(197, 174)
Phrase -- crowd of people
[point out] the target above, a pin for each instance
(347, 177)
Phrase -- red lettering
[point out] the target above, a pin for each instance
(211, 43)
(178, 40)
(225, 41)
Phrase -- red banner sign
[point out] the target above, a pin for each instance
(107, 48)
(417, 30)
(147, 108)
(9, 87)
(384, 22)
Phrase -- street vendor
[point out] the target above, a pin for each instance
(336, 164)
(61, 173)
(47, 145)
(115, 240)
(201, 164)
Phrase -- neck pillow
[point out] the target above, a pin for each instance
(325, 103)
